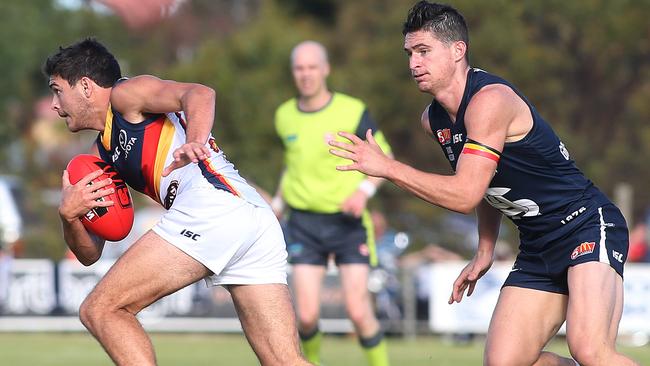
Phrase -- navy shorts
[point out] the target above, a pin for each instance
(312, 237)
(601, 237)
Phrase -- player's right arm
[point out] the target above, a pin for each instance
(76, 200)
(146, 94)
(489, 222)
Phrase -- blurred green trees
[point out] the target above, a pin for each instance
(585, 65)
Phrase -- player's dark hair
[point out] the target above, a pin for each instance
(445, 22)
(87, 58)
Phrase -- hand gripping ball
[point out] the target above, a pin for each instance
(113, 222)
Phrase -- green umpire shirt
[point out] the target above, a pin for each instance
(311, 181)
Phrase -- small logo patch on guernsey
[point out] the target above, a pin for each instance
(582, 249)
(444, 136)
(172, 190)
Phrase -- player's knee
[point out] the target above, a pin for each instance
(587, 354)
(90, 312)
(307, 320)
(494, 358)
(358, 314)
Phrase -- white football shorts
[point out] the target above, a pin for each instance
(241, 243)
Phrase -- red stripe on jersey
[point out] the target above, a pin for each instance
(485, 154)
(149, 149)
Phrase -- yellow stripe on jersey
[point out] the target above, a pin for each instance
(108, 129)
(477, 148)
(164, 144)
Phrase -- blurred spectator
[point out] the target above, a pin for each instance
(418, 263)
(5, 269)
(639, 251)
(11, 231)
(383, 280)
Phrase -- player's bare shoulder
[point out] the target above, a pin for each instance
(424, 120)
(497, 107)
(129, 96)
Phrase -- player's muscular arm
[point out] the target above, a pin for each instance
(147, 94)
(489, 221)
(487, 119)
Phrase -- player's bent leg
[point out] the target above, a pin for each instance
(523, 321)
(268, 320)
(594, 311)
(149, 270)
(354, 280)
(307, 281)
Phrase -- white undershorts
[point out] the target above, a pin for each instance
(238, 241)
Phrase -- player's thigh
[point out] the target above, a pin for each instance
(522, 323)
(595, 304)
(150, 269)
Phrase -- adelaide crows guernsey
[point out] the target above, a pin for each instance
(536, 184)
(139, 152)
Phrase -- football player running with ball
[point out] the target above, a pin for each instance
(508, 161)
(156, 133)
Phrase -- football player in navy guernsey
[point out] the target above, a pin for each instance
(508, 161)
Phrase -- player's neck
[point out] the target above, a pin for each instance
(100, 112)
(451, 95)
(315, 102)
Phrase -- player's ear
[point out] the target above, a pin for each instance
(86, 86)
(459, 49)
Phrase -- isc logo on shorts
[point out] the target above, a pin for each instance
(582, 249)
(190, 234)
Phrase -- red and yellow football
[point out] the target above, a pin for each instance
(113, 222)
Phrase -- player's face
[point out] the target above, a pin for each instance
(431, 61)
(69, 103)
(310, 71)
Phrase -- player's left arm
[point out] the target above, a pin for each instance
(489, 222)
(487, 120)
(145, 94)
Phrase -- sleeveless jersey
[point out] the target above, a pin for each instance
(537, 184)
(139, 152)
(311, 181)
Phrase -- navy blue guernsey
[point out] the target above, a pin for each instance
(536, 184)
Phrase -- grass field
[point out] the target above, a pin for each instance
(72, 349)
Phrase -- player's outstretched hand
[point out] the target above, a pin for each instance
(78, 199)
(366, 155)
(468, 277)
(190, 152)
